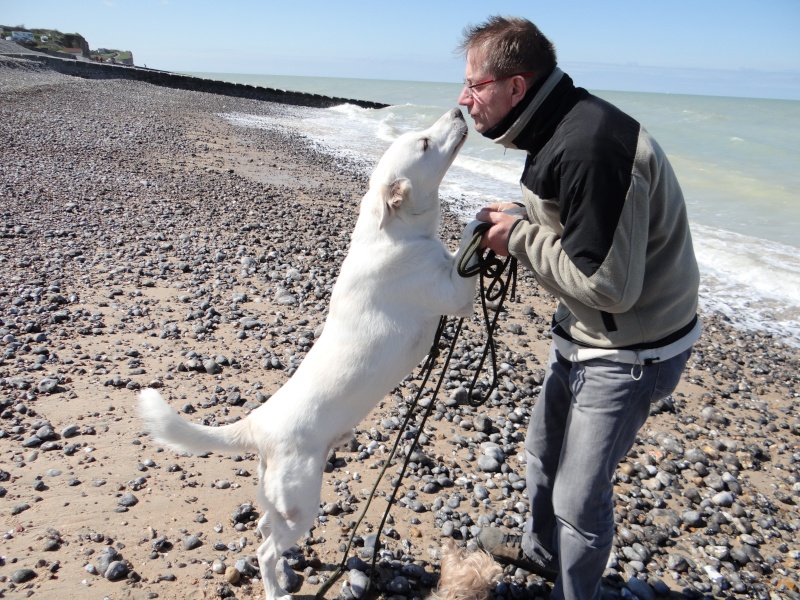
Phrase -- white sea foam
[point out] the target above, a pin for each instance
(753, 281)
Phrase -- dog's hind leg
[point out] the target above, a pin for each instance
(268, 554)
(291, 505)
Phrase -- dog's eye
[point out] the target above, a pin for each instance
(425, 143)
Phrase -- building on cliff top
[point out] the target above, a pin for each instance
(22, 36)
(73, 52)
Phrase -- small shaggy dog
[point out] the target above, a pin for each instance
(465, 575)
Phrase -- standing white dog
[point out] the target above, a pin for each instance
(396, 282)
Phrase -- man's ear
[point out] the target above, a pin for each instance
(392, 195)
(519, 87)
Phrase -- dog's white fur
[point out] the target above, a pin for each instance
(396, 281)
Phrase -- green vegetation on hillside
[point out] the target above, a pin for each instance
(56, 41)
(107, 54)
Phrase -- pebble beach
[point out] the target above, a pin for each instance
(146, 241)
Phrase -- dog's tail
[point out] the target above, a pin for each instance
(167, 427)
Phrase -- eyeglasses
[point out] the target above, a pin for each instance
(471, 88)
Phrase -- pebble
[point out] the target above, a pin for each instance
(247, 567)
(116, 570)
(232, 575)
(359, 582)
(488, 464)
(104, 561)
(190, 542)
(128, 500)
(640, 589)
(398, 585)
(287, 578)
(218, 566)
(211, 367)
(70, 431)
(23, 575)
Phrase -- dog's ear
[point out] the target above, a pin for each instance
(392, 195)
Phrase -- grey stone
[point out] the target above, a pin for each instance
(211, 367)
(23, 575)
(488, 464)
(48, 385)
(128, 500)
(358, 582)
(247, 567)
(640, 589)
(118, 569)
(398, 585)
(190, 542)
(287, 578)
(70, 431)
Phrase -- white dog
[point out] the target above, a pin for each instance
(396, 281)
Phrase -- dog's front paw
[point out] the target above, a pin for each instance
(468, 249)
(469, 231)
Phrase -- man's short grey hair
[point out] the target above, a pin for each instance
(509, 45)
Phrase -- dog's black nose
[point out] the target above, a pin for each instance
(457, 114)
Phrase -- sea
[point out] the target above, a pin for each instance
(737, 159)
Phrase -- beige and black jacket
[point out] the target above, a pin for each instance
(606, 230)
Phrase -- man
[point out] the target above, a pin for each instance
(604, 229)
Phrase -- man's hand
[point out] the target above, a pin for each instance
(496, 237)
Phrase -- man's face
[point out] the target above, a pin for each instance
(486, 104)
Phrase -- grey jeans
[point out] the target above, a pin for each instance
(584, 422)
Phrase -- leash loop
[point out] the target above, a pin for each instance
(427, 370)
(489, 266)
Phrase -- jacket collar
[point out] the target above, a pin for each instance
(506, 132)
(532, 122)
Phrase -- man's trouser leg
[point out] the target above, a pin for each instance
(584, 422)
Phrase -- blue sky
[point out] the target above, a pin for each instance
(724, 47)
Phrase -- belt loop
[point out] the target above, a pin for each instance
(636, 375)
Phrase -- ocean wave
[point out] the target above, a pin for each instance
(753, 281)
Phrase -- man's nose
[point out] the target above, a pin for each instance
(465, 98)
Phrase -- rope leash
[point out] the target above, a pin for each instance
(427, 369)
(489, 266)
(486, 266)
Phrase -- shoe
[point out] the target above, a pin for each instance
(506, 548)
